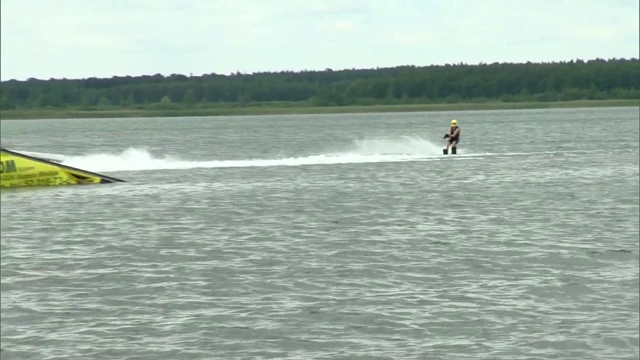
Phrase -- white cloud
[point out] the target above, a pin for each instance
(103, 38)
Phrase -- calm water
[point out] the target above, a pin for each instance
(328, 237)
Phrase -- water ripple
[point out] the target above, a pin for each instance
(520, 257)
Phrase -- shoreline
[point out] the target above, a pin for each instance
(295, 109)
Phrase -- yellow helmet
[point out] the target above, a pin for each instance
(454, 122)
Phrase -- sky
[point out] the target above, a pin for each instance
(77, 39)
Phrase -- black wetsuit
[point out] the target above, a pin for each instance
(454, 138)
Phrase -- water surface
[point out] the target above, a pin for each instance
(328, 237)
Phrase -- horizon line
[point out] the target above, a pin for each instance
(328, 69)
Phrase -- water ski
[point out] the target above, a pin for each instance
(446, 151)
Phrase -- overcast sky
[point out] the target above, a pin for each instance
(103, 38)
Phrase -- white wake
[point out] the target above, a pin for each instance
(362, 151)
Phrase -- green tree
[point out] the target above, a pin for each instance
(190, 97)
(104, 103)
(592, 79)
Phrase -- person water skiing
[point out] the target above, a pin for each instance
(454, 138)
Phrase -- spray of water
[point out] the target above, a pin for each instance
(362, 151)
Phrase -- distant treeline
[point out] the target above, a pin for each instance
(558, 81)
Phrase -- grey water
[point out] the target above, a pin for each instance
(328, 237)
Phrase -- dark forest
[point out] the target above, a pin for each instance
(459, 83)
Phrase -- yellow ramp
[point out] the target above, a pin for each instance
(18, 170)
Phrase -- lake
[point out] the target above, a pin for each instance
(328, 237)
